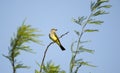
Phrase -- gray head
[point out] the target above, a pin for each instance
(53, 30)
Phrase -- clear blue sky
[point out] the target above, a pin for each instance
(46, 14)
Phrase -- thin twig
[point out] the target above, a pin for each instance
(45, 52)
(78, 68)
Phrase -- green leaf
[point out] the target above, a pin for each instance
(99, 2)
(105, 6)
(87, 64)
(85, 41)
(8, 57)
(25, 48)
(95, 22)
(92, 6)
(79, 20)
(103, 1)
(21, 66)
(91, 30)
(100, 12)
(82, 49)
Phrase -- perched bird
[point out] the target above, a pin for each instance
(55, 38)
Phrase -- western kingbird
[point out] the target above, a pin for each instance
(55, 39)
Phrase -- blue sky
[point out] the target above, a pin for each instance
(48, 14)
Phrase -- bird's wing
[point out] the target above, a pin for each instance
(50, 36)
(57, 39)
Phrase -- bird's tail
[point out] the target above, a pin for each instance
(62, 48)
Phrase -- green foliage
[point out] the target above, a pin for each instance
(86, 64)
(25, 34)
(36, 71)
(98, 5)
(50, 68)
(90, 30)
(82, 49)
(20, 66)
(97, 22)
(79, 20)
(97, 9)
(99, 12)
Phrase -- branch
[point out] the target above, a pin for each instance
(78, 68)
(45, 52)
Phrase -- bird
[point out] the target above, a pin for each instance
(53, 36)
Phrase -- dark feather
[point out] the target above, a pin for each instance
(62, 48)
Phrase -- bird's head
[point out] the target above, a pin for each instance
(53, 30)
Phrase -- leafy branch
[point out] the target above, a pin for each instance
(24, 34)
(77, 47)
(51, 68)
